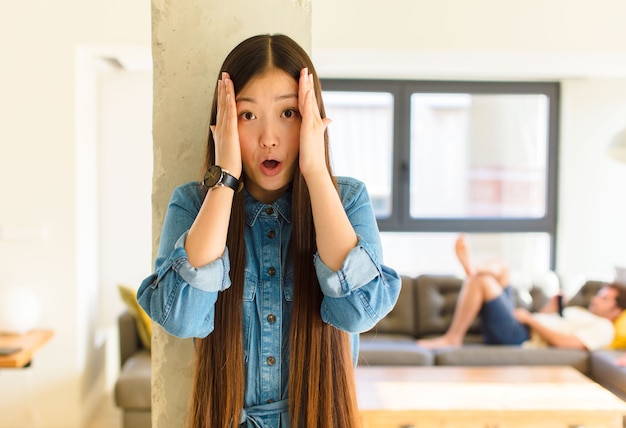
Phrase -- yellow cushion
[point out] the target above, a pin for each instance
(144, 323)
(620, 332)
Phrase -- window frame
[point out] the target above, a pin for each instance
(400, 219)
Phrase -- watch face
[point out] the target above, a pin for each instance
(212, 176)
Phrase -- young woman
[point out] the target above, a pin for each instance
(273, 264)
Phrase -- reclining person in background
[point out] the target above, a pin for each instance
(486, 291)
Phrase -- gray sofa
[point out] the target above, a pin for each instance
(132, 388)
(425, 309)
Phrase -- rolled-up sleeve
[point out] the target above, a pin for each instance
(358, 269)
(363, 290)
(178, 296)
(202, 278)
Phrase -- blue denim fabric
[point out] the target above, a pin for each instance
(499, 324)
(182, 299)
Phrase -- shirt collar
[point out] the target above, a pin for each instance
(253, 207)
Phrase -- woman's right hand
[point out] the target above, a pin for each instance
(225, 131)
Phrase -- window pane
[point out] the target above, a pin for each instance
(478, 155)
(526, 254)
(361, 141)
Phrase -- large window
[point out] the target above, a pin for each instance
(443, 157)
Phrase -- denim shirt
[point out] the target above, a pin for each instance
(182, 298)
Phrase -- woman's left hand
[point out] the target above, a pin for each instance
(312, 151)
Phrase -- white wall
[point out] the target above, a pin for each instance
(125, 183)
(476, 26)
(39, 165)
(592, 203)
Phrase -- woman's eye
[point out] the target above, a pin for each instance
(289, 113)
(246, 115)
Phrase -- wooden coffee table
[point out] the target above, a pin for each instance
(486, 397)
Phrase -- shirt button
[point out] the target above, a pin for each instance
(271, 271)
(271, 234)
(271, 361)
(270, 401)
(269, 210)
(271, 318)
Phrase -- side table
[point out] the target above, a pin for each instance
(26, 344)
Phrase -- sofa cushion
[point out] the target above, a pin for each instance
(137, 418)
(585, 293)
(132, 389)
(128, 336)
(435, 300)
(143, 321)
(607, 373)
(496, 355)
(392, 350)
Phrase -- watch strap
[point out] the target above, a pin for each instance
(229, 180)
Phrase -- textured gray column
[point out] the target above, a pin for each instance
(189, 41)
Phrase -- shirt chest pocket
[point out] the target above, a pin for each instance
(252, 284)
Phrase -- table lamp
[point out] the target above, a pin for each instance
(19, 309)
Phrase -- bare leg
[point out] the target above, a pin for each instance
(462, 253)
(483, 283)
(496, 268)
(476, 290)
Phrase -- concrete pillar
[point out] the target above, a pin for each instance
(189, 42)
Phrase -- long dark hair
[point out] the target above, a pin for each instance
(321, 378)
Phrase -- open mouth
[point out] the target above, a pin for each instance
(270, 164)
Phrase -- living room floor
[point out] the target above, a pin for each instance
(107, 416)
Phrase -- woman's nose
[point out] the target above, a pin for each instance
(268, 136)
